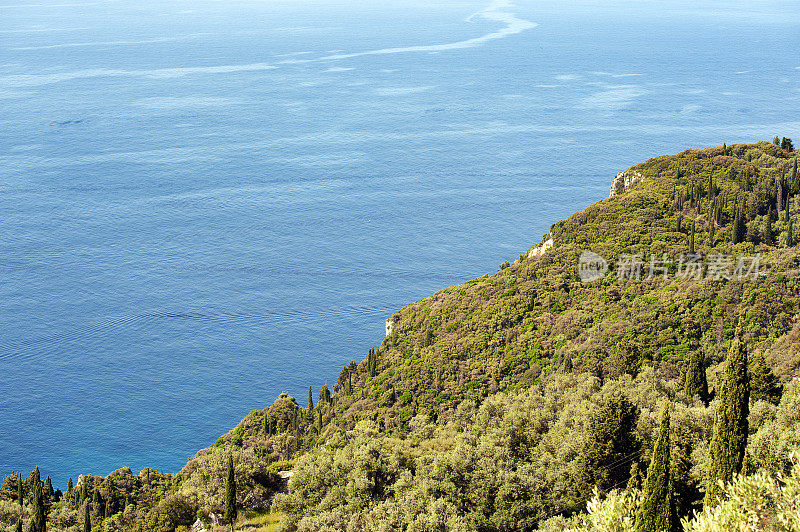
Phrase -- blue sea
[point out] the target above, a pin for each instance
(204, 203)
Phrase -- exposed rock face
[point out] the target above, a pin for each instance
(623, 181)
(539, 250)
(389, 326)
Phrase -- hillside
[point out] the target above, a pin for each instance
(501, 403)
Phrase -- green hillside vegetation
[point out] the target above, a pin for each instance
(529, 399)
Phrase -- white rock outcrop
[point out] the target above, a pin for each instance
(539, 250)
(623, 181)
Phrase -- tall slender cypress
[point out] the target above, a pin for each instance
(372, 362)
(695, 382)
(764, 385)
(786, 207)
(310, 399)
(20, 500)
(657, 510)
(610, 439)
(97, 503)
(767, 236)
(324, 395)
(87, 517)
(230, 494)
(48, 487)
(39, 517)
(730, 424)
(267, 424)
(634, 478)
(738, 226)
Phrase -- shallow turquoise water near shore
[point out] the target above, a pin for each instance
(205, 203)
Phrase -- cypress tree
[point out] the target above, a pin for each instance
(691, 239)
(567, 364)
(324, 395)
(267, 424)
(39, 518)
(786, 207)
(87, 518)
(97, 504)
(730, 424)
(611, 439)
(70, 486)
(373, 360)
(789, 235)
(319, 420)
(48, 487)
(310, 399)
(230, 494)
(767, 236)
(738, 226)
(18, 528)
(657, 510)
(20, 500)
(695, 382)
(711, 230)
(635, 478)
(764, 385)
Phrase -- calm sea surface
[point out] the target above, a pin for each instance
(204, 203)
